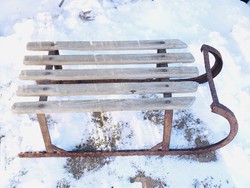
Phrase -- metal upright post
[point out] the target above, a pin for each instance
(45, 132)
(42, 118)
(168, 116)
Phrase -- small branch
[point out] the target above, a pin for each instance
(61, 3)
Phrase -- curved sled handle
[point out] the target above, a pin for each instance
(215, 70)
(216, 107)
(205, 49)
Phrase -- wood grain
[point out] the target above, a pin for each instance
(138, 104)
(99, 74)
(109, 59)
(106, 45)
(107, 89)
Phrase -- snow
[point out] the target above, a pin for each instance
(224, 24)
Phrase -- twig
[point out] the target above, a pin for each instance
(61, 3)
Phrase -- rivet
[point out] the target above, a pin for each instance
(133, 91)
(168, 101)
(41, 105)
(47, 73)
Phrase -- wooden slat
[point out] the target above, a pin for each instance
(100, 74)
(102, 105)
(106, 45)
(107, 88)
(109, 59)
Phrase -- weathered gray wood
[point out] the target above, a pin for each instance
(108, 59)
(102, 105)
(100, 74)
(106, 45)
(107, 89)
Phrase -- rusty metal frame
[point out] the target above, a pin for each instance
(163, 147)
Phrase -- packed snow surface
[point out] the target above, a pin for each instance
(223, 24)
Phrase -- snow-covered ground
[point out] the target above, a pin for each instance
(223, 24)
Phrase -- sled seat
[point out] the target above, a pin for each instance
(102, 76)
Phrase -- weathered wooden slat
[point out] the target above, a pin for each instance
(102, 105)
(106, 45)
(109, 59)
(100, 74)
(107, 89)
